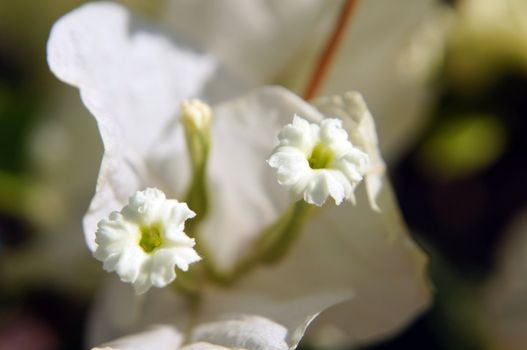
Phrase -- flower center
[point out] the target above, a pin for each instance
(150, 238)
(320, 157)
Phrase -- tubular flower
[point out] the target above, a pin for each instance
(317, 161)
(144, 241)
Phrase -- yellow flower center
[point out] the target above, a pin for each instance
(320, 157)
(150, 238)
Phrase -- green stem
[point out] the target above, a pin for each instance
(197, 196)
(277, 240)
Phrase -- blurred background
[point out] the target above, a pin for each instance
(459, 171)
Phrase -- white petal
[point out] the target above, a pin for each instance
(347, 254)
(368, 61)
(246, 332)
(204, 346)
(272, 24)
(158, 338)
(317, 190)
(245, 197)
(359, 122)
(162, 268)
(131, 77)
(129, 73)
(119, 311)
(346, 251)
(356, 248)
(143, 282)
(130, 264)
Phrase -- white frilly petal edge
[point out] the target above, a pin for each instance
(131, 77)
(358, 121)
(162, 337)
(243, 134)
(246, 332)
(234, 332)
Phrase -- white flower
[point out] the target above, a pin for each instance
(317, 161)
(145, 146)
(145, 240)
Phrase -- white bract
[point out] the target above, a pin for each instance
(145, 146)
(276, 41)
(145, 240)
(233, 333)
(317, 161)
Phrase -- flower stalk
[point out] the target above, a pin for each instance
(328, 53)
(277, 239)
(195, 117)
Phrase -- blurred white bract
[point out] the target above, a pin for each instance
(133, 78)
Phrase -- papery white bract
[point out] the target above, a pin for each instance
(235, 332)
(317, 161)
(244, 197)
(340, 266)
(366, 60)
(145, 240)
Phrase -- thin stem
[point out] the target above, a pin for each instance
(275, 241)
(197, 196)
(328, 54)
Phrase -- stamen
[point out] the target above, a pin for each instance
(320, 157)
(150, 238)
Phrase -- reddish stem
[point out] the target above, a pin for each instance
(327, 55)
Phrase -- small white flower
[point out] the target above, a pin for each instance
(317, 161)
(145, 240)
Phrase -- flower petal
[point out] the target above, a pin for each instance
(203, 346)
(131, 77)
(351, 108)
(245, 52)
(348, 253)
(245, 197)
(158, 338)
(368, 60)
(246, 332)
(118, 311)
(369, 57)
